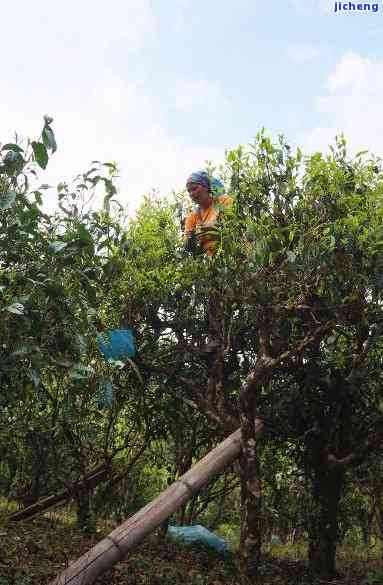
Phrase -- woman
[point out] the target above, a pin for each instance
(208, 194)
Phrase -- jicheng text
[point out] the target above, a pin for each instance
(356, 7)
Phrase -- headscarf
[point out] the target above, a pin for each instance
(214, 185)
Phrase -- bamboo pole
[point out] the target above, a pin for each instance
(115, 546)
(90, 481)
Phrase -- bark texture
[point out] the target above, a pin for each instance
(251, 536)
(323, 520)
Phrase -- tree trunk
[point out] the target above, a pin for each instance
(84, 513)
(323, 520)
(251, 541)
(379, 518)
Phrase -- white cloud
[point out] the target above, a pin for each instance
(159, 162)
(352, 73)
(113, 120)
(101, 110)
(352, 105)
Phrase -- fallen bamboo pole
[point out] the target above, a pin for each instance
(89, 482)
(115, 546)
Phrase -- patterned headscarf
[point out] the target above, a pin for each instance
(214, 185)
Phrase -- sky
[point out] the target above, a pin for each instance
(161, 86)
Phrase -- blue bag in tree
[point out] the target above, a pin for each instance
(116, 343)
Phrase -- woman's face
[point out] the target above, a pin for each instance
(199, 194)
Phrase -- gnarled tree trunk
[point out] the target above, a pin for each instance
(251, 536)
(327, 487)
(251, 540)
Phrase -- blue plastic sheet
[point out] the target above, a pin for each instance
(198, 533)
(275, 539)
(116, 343)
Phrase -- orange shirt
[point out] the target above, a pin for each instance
(204, 219)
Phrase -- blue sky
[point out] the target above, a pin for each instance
(160, 86)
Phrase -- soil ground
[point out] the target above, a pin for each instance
(34, 551)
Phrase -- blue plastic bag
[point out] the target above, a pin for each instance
(198, 533)
(116, 343)
(275, 539)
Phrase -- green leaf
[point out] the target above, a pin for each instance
(116, 363)
(109, 187)
(105, 393)
(57, 246)
(12, 157)
(41, 154)
(11, 146)
(7, 199)
(26, 350)
(84, 236)
(61, 187)
(35, 378)
(16, 308)
(135, 368)
(81, 372)
(38, 197)
(49, 139)
(81, 344)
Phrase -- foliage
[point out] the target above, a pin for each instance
(64, 410)
(296, 277)
(295, 286)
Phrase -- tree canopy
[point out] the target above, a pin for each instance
(296, 282)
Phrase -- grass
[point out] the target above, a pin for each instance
(33, 552)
